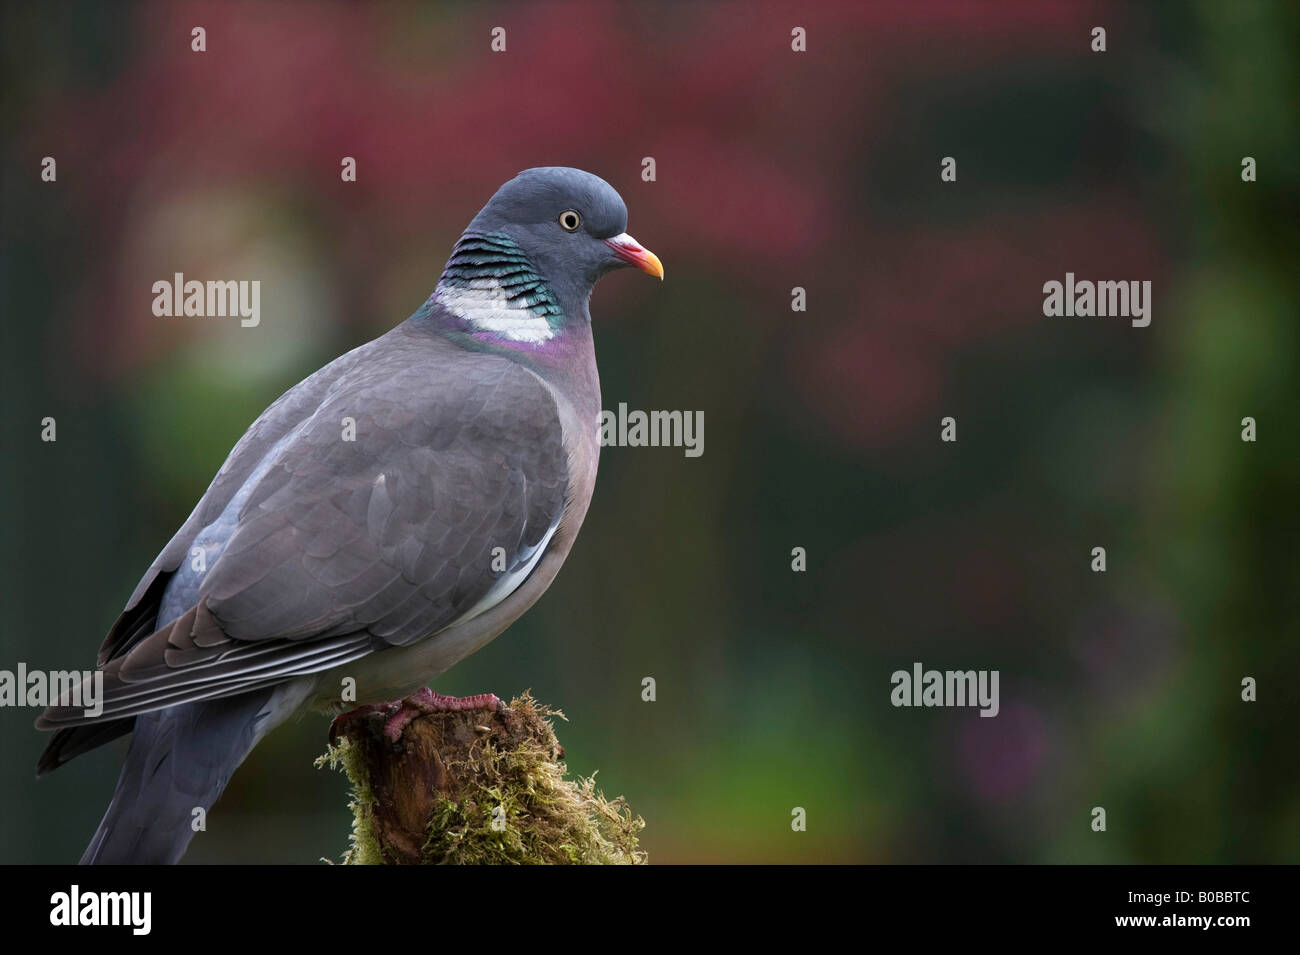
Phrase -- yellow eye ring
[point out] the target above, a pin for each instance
(570, 220)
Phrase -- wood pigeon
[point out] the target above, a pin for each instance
(382, 520)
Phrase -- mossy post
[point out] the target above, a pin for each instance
(476, 786)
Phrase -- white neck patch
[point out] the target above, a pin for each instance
(487, 309)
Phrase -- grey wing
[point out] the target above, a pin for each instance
(344, 547)
(139, 617)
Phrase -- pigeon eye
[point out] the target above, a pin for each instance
(570, 220)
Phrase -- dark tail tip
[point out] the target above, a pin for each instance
(71, 741)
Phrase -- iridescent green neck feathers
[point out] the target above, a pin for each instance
(492, 286)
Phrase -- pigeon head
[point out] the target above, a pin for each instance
(570, 223)
(528, 261)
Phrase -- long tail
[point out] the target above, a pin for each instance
(180, 761)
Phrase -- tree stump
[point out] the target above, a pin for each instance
(476, 787)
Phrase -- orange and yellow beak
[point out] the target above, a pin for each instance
(633, 253)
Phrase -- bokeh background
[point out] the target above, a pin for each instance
(775, 169)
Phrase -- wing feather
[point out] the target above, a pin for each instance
(341, 548)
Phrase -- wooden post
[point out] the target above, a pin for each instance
(476, 787)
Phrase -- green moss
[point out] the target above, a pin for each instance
(346, 755)
(509, 801)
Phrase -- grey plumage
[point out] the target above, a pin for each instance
(369, 558)
(180, 759)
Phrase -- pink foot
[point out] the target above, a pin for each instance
(424, 700)
(399, 713)
(342, 723)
